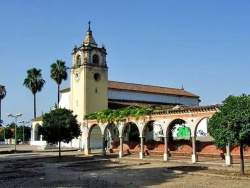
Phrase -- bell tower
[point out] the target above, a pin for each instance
(89, 78)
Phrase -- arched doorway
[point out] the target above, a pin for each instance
(206, 149)
(111, 138)
(131, 138)
(95, 139)
(153, 138)
(37, 134)
(179, 139)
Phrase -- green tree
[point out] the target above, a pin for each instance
(9, 133)
(23, 131)
(2, 95)
(34, 82)
(1, 133)
(59, 125)
(58, 73)
(231, 124)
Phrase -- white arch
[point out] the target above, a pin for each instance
(89, 129)
(170, 123)
(123, 125)
(198, 123)
(161, 124)
(107, 126)
(37, 137)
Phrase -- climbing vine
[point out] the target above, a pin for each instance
(117, 115)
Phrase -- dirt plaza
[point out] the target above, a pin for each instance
(44, 169)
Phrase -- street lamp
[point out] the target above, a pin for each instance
(1, 124)
(15, 119)
(24, 123)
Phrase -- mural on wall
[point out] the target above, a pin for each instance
(158, 132)
(154, 132)
(202, 129)
(183, 132)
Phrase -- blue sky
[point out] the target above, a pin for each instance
(202, 45)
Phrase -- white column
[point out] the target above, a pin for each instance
(142, 149)
(80, 143)
(81, 139)
(121, 148)
(194, 155)
(228, 157)
(86, 147)
(32, 134)
(103, 145)
(165, 155)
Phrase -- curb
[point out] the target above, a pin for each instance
(34, 151)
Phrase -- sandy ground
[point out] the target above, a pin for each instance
(45, 170)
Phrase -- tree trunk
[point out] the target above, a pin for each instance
(242, 170)
(59, 135)
(34, 106)
(58, 94)
(59, 149)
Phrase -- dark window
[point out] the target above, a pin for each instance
(78, 60)
(95, 59)
(97, 76)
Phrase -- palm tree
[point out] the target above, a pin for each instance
(34, 82)
(2, 95)
(58, 73)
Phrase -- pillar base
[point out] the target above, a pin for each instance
(228, 160)
(103, 152)
(86, 151)
(141, 155)
(120, 154)
(194, 158)
(165, 157)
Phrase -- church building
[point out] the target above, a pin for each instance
(180, 126)
(91, 91)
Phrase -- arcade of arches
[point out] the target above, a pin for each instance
(181, 132)
(172, 134)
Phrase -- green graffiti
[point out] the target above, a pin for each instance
(183, 132)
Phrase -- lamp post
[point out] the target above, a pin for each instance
(4, 134)
(1, 123)
(24, 123)
(2, 95)
(15, 119)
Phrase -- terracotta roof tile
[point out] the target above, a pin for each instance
(145, 89)
(149, 89)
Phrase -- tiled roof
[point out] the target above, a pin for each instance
(187, 109)
(113, 104)
(145, 89)
(149, 89)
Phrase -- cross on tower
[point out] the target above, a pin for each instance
(89, 26)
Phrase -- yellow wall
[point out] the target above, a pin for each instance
(84, 98)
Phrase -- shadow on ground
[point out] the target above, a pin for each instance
(92, 171)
